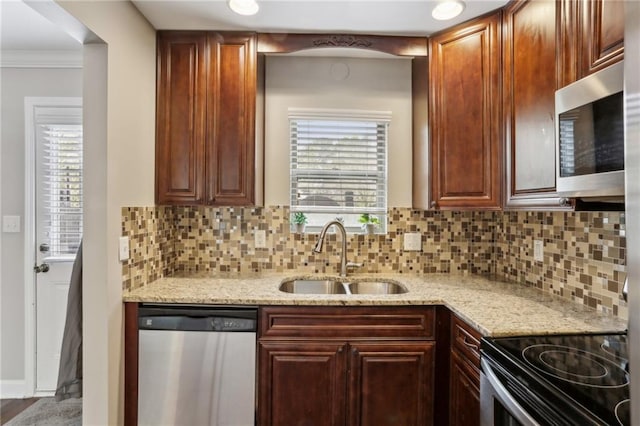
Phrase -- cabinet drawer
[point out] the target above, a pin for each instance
(466, 341)
(347, 322)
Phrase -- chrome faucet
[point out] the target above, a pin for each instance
(343, 258)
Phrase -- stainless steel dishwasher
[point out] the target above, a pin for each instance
(196, 365)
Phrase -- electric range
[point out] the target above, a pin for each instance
(555, 380)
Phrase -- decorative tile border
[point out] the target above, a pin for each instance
(584, 255)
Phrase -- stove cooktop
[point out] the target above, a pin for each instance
(585, 374)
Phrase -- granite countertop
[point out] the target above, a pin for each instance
(493, 307)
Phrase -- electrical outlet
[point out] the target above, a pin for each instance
(123, 250)
(538, 250)
(261, 238)
(412, 241)
(10, 223)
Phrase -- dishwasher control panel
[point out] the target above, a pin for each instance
(197, 319)
(233, 324)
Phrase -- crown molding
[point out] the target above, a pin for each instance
(41, 59)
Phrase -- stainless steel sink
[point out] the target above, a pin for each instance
(311, 286)
(376, 287)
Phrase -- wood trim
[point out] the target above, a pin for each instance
(289, 43)
(130, 364)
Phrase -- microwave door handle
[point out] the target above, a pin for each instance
(505, 397)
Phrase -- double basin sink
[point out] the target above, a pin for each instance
(341, 286)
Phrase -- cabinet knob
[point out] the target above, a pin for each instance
(433, 204)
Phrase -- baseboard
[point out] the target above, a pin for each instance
(12, 389)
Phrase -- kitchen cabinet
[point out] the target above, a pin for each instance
(602, 34)
(206, 116)
(346, 365)
(530, 79)
(591, 37)
(464, 388)
(464, 115)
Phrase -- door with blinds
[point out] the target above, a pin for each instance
(58, 228)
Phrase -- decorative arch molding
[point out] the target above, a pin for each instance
(393, 45)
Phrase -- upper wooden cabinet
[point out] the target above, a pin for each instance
(591, 36)
(465, 115)
(602, 34)
(206, 115)
(530, 79)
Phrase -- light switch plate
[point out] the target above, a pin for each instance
(123, 248)
(10, 223)
(538, 250)
(412, 241)
(261, 238)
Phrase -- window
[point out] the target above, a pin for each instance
(60, 180)
(339, 166)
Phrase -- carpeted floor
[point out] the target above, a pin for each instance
(48, 412)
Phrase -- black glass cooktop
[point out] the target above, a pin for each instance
(572, 379)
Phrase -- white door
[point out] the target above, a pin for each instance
(58, 228)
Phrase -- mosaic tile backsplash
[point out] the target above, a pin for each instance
(584, 253)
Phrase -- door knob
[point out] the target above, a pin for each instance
(41, 268)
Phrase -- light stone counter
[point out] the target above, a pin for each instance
(494, 308)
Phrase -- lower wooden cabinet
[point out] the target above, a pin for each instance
(358, 375)
(391, 383)
(302, 383)
(464, 393)
(464, 375)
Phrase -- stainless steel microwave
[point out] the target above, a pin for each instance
(590, 136)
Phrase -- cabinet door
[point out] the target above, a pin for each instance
(231, 107)
(464, 393)
(301, 383)
(530, 78)
(464, 108)
(602, 34)
(180, 128)
(391, 384)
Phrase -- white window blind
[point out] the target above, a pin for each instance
(61, 186)
(567, 148)
(339, 165)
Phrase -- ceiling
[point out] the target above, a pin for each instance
(23, 29)
(385, 17)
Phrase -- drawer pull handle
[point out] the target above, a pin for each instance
(470, 344)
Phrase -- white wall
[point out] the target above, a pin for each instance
(308, 82)
(17, 83)
(119, 154)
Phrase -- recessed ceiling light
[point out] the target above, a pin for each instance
(244, 7)
(447, 9)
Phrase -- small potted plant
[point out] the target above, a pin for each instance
(369, 223)
(299, 221)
